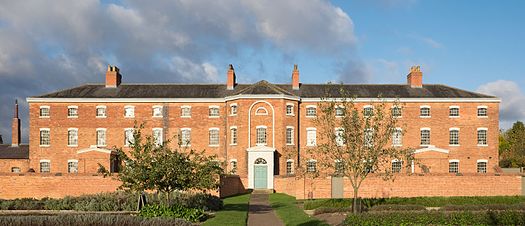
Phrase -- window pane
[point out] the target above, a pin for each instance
(261, 135)
(396, 166)
(368, 111)
(44, 137)
(289, 167)
(157, 111)
(44, 112)
(482, 112)
(289, 136)
(186, 112)
(397, 137)
(289, 109)
(425, 137)
(186, 137)
(72, 167)
(311, 166)
(425, 112)
(454, 112)
(157, 136)
(396, 112)
(454, 137)
(72, 137)
(339, 111)
(233, 134)
(233, 166)
(214, 137)
(129, 112)
(233, 109)
(128, 137)
(339, 137)
(214, 112)
(482, 137)
(72, 112)
(311, 111)
(45, 167)
(482, 167)
(453, 167)
(101, 138)
(311, 138)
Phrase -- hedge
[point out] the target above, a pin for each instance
(438, 218)
(423, 201)
(91, 219)
(116, 201)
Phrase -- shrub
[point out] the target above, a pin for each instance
(322, 210)
(438, 218)
(189, 214)
(88, 219)
(519, 206)
(393, 207)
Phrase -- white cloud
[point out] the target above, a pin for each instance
(51, 45)
(512, 106)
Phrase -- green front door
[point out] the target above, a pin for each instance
(260, 176)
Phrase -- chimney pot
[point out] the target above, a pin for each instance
(113, 77)
(230, 80)
(15, 127)
(295, 77)
(415, 77)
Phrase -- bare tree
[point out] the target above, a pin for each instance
(355, 141)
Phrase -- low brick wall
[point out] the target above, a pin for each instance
(406, 186)
(43, 185)
(231, 185)
(40, 186)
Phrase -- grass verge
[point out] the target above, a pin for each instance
(423, 201)
(234, 213)
(286, 208)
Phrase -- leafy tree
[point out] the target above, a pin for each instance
(149, 166)
(512, 146)
(355, 142)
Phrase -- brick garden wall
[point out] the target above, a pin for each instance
(407, 186)
(40, 186)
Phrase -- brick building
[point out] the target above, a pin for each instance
(261, 130)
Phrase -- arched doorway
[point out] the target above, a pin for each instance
(260, 170)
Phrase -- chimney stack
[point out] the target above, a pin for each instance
(15, 127)
(230, 83)
(295, 77)
(415, 77)
(113, 77)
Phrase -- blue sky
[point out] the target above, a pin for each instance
(51, 45)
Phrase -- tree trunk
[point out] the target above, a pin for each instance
(356, 208)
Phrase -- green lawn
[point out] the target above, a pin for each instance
(286, 208)
(235, 212)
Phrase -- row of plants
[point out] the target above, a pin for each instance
(175, 211)
(411, 207)
(423, 201)
(438, 218)
(89, 219)
(115, 201)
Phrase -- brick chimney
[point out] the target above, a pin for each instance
(15, 127)
(295, 77)
(415, 77)
(113, 77)
(230, 83)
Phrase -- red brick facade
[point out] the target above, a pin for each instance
(275, 113)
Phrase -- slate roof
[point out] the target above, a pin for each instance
(9, 152)
(261, 88)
